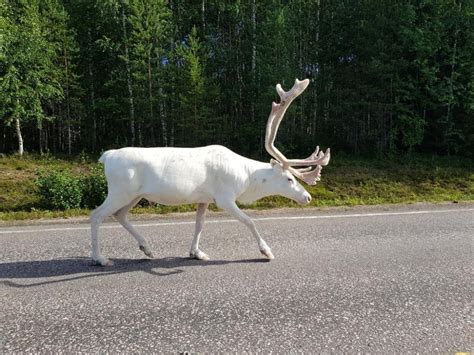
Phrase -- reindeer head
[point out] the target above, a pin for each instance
(309, 169)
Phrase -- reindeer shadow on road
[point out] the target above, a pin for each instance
(69, 269)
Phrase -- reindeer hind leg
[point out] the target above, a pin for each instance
(121, 216)
(110, 206)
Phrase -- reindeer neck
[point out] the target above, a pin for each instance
(259, 177)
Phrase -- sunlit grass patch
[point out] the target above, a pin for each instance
(345, 182)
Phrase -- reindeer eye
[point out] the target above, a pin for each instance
(290, 180)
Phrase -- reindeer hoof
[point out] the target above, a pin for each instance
(146, 251)
(199, 255)
(101, 261)
(268, 254)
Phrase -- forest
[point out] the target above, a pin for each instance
(387, 77)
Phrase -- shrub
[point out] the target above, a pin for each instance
(59, 190)
(94, 188)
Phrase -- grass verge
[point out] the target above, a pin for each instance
(346, 182)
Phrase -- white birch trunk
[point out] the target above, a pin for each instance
(19, 136)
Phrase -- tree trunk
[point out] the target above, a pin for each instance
(4, 135)
(391, 147)
(203, 15)
(129, 79)
(451, 88)
(69, 135)
(59, 130)
(316, 74)
(254, 57)
(300, 63)
(172, 135)
(18, 134)
(46, 136)
(40, 137)
(140, 137)
(68, 106)
(164, 133)
(172, 112)
(92, 93)
(94, 117)
(150, 99)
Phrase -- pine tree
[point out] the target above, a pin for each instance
(196, 95)
(386, 77)
(149, 27)
(57, 32)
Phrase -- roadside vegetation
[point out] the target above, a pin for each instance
(387, 77)
(34, 186)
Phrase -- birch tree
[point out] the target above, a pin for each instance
(28, 77)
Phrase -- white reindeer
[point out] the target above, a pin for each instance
(174, 176)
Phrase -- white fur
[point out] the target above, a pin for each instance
(174, 176)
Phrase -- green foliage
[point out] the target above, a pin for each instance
(59, 190)
(27, 67)
(63, 190)
(411, 129)
(346, 181)
(194, 113)
(93, 188)
(386, 76)
(35, 65)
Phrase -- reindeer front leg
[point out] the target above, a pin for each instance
(231, 207)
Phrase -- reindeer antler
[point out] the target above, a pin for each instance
(318, 158)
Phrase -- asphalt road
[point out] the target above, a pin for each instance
(378, 280)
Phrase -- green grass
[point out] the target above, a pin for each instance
(17, 176)
(345, 182)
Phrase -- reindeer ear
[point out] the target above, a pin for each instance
(274, 163)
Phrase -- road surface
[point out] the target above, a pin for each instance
(373, 280)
